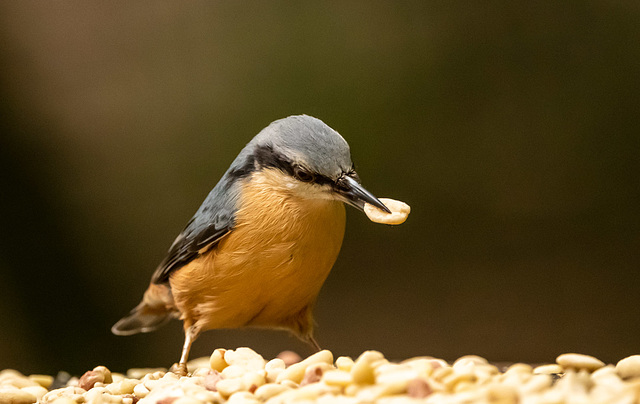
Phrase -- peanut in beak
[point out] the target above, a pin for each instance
(399, 212)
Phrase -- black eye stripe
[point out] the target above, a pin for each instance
(265, 157)
(322, 180)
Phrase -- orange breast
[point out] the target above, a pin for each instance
(270, 268)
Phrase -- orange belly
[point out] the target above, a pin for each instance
(269, 270)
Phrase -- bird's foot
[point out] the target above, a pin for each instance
(179, 368)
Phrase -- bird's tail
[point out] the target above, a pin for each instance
(155, 309)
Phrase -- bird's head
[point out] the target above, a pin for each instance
(314, 159)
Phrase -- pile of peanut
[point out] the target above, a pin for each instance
(242, 376)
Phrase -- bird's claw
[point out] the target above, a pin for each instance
(179, 368)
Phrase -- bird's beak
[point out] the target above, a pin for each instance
(354, 194)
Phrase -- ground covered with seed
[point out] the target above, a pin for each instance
(243, 376)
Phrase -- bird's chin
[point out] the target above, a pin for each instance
(313, 191)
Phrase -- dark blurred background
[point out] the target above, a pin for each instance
(510, 127)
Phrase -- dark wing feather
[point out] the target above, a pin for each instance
(187, 247)
(213, 220)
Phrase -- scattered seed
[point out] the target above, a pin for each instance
(579, 361)
(629, 367)
(242, 376)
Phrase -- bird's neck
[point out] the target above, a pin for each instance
(270, 198)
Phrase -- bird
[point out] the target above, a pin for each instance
(261, 245)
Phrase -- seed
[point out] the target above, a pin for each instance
(547, 369)
(318, 389)
(629, 367)
(90, 378)
(344, 363)
(167, 400)
(521, 368)
(296, 371)
(187, 400)
(464, 386)
(396, 381)
(15, 395)
(43, 380)
(374, 392)
(352, 389)
(295, 395)
(362, 370)
(211, 380)
(246, 378)
(313, 374)
(499, 393)
(245, 358)
(337, 378)
(253, 379)
(439, 374)
(536, 383)
(140, 390)
(125, 386)
(266, 391)
(16, 379)
(64, 400)
(66, 392)
(139, 373)
(274, 367)
(399, 212)
(418, 388)
(37, 391)
(227, 387)
(472, 359)
(216, 361)
(454, 378)
(242, 397)
(579, 361)
(233, 371)
(289, 383)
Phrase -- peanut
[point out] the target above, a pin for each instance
(399, 212)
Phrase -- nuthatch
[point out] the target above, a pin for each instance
(262, 243)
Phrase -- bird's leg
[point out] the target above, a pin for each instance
(190, 335)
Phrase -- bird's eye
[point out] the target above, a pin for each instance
(303, 175)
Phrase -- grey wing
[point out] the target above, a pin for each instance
(187, 247)
(213, 220)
